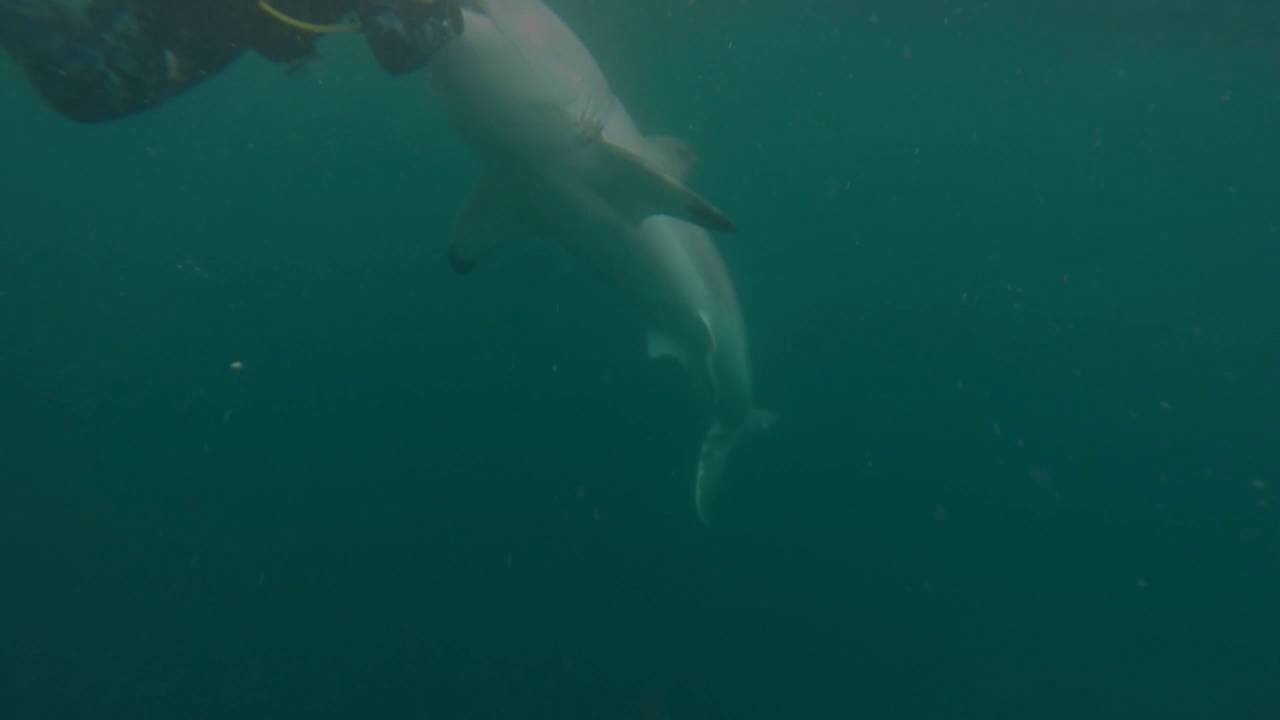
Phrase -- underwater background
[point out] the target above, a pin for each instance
(1009, 273)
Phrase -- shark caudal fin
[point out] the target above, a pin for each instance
(714, 456)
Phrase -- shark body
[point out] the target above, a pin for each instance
(564, 159)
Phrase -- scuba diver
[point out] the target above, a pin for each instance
(97, 60)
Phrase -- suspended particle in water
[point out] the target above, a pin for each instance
(1040, 476)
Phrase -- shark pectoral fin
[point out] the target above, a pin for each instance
(637, 190)
(495, 211)
(673, 156)
(478, 229)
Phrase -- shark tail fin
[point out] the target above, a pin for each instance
(714, 456)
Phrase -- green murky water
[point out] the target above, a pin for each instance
(1009, 271)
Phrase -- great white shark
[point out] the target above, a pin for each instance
(562, 158)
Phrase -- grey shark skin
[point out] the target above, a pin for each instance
(563, 159)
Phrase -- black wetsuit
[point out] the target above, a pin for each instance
(110, 58)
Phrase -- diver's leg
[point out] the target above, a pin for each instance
(94, 61)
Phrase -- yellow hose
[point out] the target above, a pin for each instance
(306, 26)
